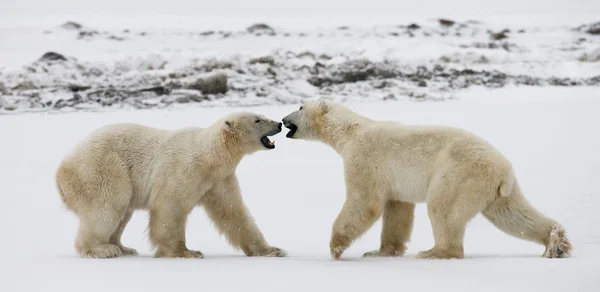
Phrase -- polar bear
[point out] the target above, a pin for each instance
(390, 166)
(120, 168)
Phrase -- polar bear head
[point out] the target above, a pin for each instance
(309, 120)
(249, 131)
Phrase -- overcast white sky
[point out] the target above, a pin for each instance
(299, 7)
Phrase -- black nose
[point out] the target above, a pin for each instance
(279, 126)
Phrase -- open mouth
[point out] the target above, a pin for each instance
(293, 128)
(267, 142)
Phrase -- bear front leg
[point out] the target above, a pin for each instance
(361, 209)
(225, 206)
(398, 218)
(167, 230)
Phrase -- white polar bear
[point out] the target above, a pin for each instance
(123, 167)
(390, 166)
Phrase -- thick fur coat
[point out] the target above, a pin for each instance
(389, 167)
(121, 168)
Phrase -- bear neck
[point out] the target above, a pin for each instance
(228, 148)
(338, 131)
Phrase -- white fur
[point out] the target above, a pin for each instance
(390, 166)
(124, 167)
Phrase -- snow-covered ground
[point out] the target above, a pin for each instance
(141, 61)
(160, 61)
(295, 191)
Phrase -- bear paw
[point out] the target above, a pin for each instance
(436, 253)
(102, 251)
(128, 251)
(384, 253)
(190, 254)
(558, 245)
(270, 252)
(338, 245)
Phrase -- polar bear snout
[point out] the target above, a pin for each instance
(293, 128)
(276, 129)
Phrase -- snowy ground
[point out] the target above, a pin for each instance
(155, 63)
(363, 53)
(295, 192)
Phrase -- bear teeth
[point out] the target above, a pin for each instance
(272, 142)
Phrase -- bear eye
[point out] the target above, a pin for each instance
(257, 121)
(301, 107)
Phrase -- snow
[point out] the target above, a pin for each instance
(549, 133)
(115, 67)
(295, 192)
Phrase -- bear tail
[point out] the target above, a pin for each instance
(506, 184)
(517, 217)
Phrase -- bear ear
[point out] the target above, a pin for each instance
(323, 106)
(228, 125)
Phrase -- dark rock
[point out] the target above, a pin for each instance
(52, 56)
(173, 84)
(207, 33)
(175, 75)
(125, 31)
(471, 21)
(422, 83)
(214, 84)
(355, 71)
(260, 28)
(446, 22)
(25, 85)
(93, 72)
(394, 34)
(10, 107)
(262, 60)
(71, 25)
(380, 84)
(413, 26)
(77, 87)
(116, 38)
(159, 90)
(183, 99)
(306, 54)
(3, 89)
(499, 35)
(593, 29)
(343, 28)
(593, 81)
(389, 97)
(87, 34)
(562, 82)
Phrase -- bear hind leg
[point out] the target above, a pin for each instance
(115, 238)
(451, 205)
(167, 231)
(398, 218)
(94, 233)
